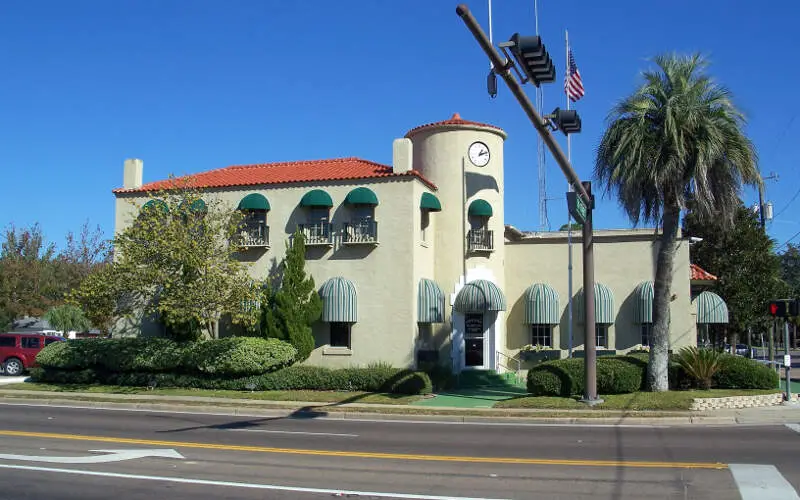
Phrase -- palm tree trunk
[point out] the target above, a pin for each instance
(657, 369)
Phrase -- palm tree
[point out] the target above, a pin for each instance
(67, 318)
(677, 139)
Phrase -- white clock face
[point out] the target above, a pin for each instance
(479, 154)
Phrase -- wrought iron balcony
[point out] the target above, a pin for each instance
(253, 234)
(316, 234)
(360, 232)
(480, 240)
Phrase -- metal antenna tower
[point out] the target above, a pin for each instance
(544, 223)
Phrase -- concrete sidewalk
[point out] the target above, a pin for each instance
(300, 409)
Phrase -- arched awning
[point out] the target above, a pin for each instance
(361, 196)
(603, 305)
(480, 208)
(339, 301)
(711, 308)
(316, 198)
(541, 305)
(198, 206)
(254, 201)
(430, 202)
(479, 296)
(160, 205)
(643, 303)
(430, 302)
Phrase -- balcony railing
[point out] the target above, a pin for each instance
(360, 232)
(254, 234)
(319, 233)
(480, 240)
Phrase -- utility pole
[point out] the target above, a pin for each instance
(537, 67)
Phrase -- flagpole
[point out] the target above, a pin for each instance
(569, 222)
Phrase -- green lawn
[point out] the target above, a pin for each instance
(637, 401)
(309, 396)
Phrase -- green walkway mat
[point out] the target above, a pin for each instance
(484, 397)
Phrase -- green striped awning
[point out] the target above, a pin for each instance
(316, 198)
(541, 305)
(711, 308)
(254, 201)
(156, 204)
(339, 302)
(430, 302)
(480, 208)
(361, 196)
(643, 303)
(479, 296)
(603, 304)
(430, 202)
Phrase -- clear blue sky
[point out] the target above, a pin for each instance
(191, 85)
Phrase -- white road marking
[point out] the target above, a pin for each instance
(231, 484)
(363, 420)
(762, 482)
(110, 456)
(265, 431)
(794, 427)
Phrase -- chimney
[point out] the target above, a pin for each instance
(401, 155)
(132, 178)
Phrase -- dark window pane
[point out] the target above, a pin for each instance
(542, 335)
(340, 335)
(8, 341)
(31, 342)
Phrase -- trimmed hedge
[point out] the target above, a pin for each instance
(394, 380)
(236, 356)
(565, 377)
(625, 374)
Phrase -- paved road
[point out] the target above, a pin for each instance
(238, 458)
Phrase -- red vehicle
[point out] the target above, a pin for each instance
(18, 350)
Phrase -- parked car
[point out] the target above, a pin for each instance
(18, 350)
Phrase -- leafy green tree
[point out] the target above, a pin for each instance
(790, 268)
(678, 137)
(177, 261)
(27, 281)
(84, 253)
(745, 262)
(100, 296)
(67, 318)
(295, 305)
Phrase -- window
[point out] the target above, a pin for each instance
(601, 336)
(318, 215)
(49, 341)
(340, 335)
(542, 335)
(363, 212)
(8, 342)
(425, 339)
(31, 342)
(647, 333)
(425, 221)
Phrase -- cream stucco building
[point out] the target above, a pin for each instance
(415, 263)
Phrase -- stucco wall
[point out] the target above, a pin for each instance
(384, 275)
(623, 259)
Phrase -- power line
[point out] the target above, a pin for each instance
(788, 204)
(789, 240)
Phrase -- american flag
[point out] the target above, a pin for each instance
(573, 86)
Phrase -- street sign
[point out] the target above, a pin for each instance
(576, 207)
(787, 360)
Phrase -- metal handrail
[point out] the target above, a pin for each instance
(480, 240)
(517, 361)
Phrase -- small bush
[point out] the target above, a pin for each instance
(70, 355)
(146, 354)
(565, 377)
(238, 356)
(736, 372)
(699, 364)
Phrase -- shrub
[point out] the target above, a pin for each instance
(565, 377)
(238, 356)
(736, 372)
(70, 355)
(699, 364)
(146, 354)
(399, 381)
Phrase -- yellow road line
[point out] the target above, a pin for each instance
(363, 454)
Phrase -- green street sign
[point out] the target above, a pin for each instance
(576, 207)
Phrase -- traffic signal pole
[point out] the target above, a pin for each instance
(503, 67)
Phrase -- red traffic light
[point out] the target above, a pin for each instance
(773, 309)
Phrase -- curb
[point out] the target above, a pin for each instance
(301, 410)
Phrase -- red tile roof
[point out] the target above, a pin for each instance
(700, 274)
(454, 120)
(284, 173)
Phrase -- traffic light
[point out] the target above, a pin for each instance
(531, 55)
(566, 120)
(784, 308)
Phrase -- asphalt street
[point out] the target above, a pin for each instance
(65, 453)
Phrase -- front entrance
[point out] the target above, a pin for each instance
(474, 337)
